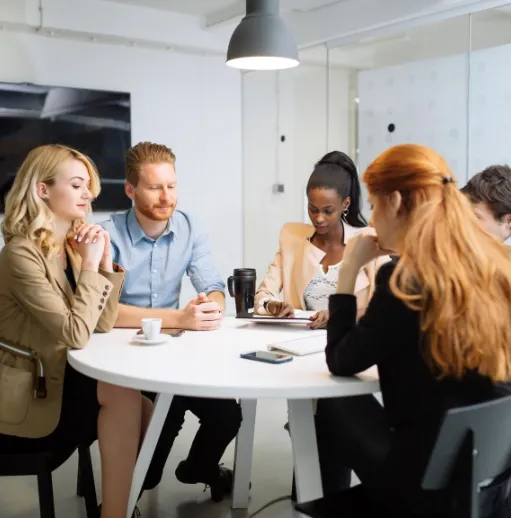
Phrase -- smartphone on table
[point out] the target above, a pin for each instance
(267, 357)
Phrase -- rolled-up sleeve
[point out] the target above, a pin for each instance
(203, 274)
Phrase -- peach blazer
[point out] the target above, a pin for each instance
(297, 262)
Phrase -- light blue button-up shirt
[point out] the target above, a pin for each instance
(155, 267)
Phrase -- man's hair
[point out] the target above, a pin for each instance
(146, 153)
(492, 187)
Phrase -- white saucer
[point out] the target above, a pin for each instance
(139, 339)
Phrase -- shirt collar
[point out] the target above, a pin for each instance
(508, 241)
(349, 232)
(136, 232)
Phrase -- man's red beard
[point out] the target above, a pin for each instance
(152, 212)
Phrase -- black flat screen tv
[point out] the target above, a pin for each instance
(97, 123)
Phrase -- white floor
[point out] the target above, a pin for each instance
(271, 478)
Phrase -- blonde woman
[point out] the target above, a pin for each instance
(59, 286)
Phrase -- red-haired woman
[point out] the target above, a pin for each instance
(438, 326)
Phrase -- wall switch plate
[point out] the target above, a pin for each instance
(278, 188)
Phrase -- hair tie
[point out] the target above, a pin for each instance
(447, 179)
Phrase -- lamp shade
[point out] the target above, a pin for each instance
(262, 41)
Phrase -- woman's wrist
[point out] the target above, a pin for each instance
(90, 266)
(348, 273)
(107, 265)
(349, 267)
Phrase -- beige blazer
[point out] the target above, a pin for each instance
(297, 262)
(42, 317)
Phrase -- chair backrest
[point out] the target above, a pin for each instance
(473, 445)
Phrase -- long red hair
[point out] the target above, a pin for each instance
(450, 269)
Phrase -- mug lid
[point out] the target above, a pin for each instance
(244, 272)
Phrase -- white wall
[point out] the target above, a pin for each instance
(296, 108)
(190, 103)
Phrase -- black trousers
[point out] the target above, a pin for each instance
(358, 436)
(220, 420)
(354, 432)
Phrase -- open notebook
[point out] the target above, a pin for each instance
(301, 346)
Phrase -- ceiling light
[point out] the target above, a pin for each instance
(262, 41)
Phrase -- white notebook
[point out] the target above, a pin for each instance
(301, 346)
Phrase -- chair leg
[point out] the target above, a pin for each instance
(45, 487)
(79, 478)
(86, 482)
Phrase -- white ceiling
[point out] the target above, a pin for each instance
(485, 29)
(206, 7)
(489, 28)
(193, 7)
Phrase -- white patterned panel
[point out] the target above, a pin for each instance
(490, 108)
(427, 102)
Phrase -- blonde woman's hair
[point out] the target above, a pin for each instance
(146, 153)
(450, 269)
(26, 214)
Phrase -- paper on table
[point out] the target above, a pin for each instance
(301, 313)
(314, 343)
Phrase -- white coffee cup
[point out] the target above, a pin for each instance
(151, 328)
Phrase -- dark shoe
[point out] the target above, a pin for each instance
(220, 483)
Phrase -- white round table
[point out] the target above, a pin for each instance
(208, 364)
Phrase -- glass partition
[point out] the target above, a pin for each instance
(411, 86)
(489, 89)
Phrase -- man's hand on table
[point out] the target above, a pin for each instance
(201, 314)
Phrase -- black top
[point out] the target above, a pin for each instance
(69, 274)
(415, 399)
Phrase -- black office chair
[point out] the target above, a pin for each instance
(473, 446)
(42, 465)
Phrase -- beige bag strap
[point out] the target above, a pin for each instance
(40, 386)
